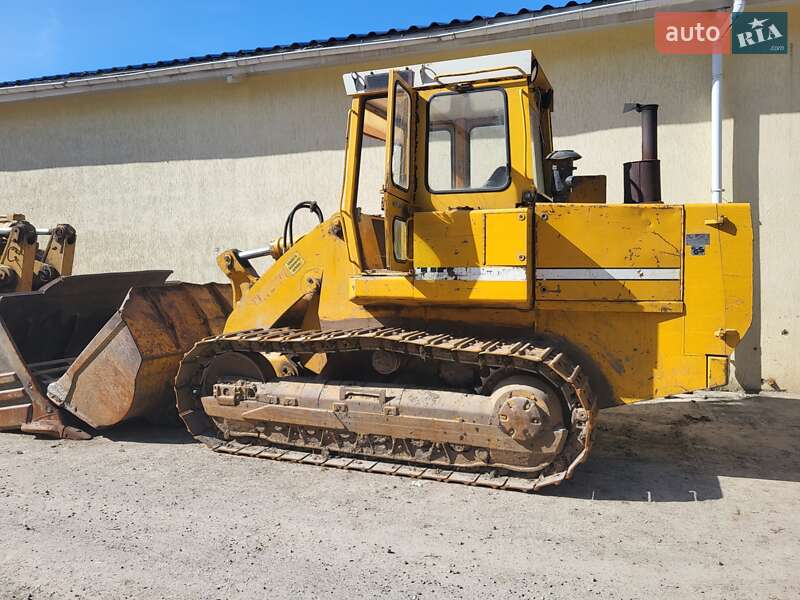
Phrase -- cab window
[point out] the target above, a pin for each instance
(401, 138)
(467, 142)
(371, 159)
(371, 177)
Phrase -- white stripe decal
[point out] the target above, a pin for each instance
(519, 273)
(610, 274)
(470, 273)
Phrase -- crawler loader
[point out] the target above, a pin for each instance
(474, 302)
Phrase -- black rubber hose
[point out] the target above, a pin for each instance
(288, 227)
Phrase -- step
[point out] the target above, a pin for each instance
(12, 417)
(6, 378)
(12, 396)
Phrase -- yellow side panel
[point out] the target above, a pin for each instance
(489, 293)
(736, 241)
(639, 354)
(398, 289)
(718, 272)
(608, 235)
(467, 238)
(609, 252)
(671, 347)
(371, 289)
(595, 306)
(705, 298)
(451, 238)
(613, 291)
(461, 257)
(717, 371)
(507, 238)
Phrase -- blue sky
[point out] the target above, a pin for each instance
(59, 36)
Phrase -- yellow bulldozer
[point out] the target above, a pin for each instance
(466, 312)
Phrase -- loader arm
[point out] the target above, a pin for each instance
(17, 258)
(285, 294)
(60, 251)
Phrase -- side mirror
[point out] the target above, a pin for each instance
(562, 163)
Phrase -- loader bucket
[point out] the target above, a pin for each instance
(43, 331)
(104, 347)
(128, 369)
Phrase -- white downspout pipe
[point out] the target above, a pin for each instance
(716, 117)
(716, 128)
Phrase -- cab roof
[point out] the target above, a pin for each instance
(506, 65)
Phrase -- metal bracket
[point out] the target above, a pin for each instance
(718, 222)
(348, 393)
(724, 333)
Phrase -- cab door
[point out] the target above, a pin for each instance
(398, 189)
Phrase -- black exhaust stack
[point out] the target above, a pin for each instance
(642, 178)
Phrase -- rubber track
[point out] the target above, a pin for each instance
(517, 355)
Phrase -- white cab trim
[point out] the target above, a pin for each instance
(470, 273)
(609, 274)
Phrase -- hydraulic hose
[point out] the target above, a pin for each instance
(288, 228)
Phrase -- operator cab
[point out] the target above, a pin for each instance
(444, 162)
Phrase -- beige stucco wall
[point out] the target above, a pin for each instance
(166, 176)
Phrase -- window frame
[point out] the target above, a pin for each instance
(408, 141)
(395, 239)
(450, 132)
(360, 144)
(452, 148)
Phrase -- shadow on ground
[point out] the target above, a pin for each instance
(676, 450)
(659, 451)
(138, 431)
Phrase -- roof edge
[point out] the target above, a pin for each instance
(231, 69)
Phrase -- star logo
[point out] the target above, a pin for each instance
(759, 33)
